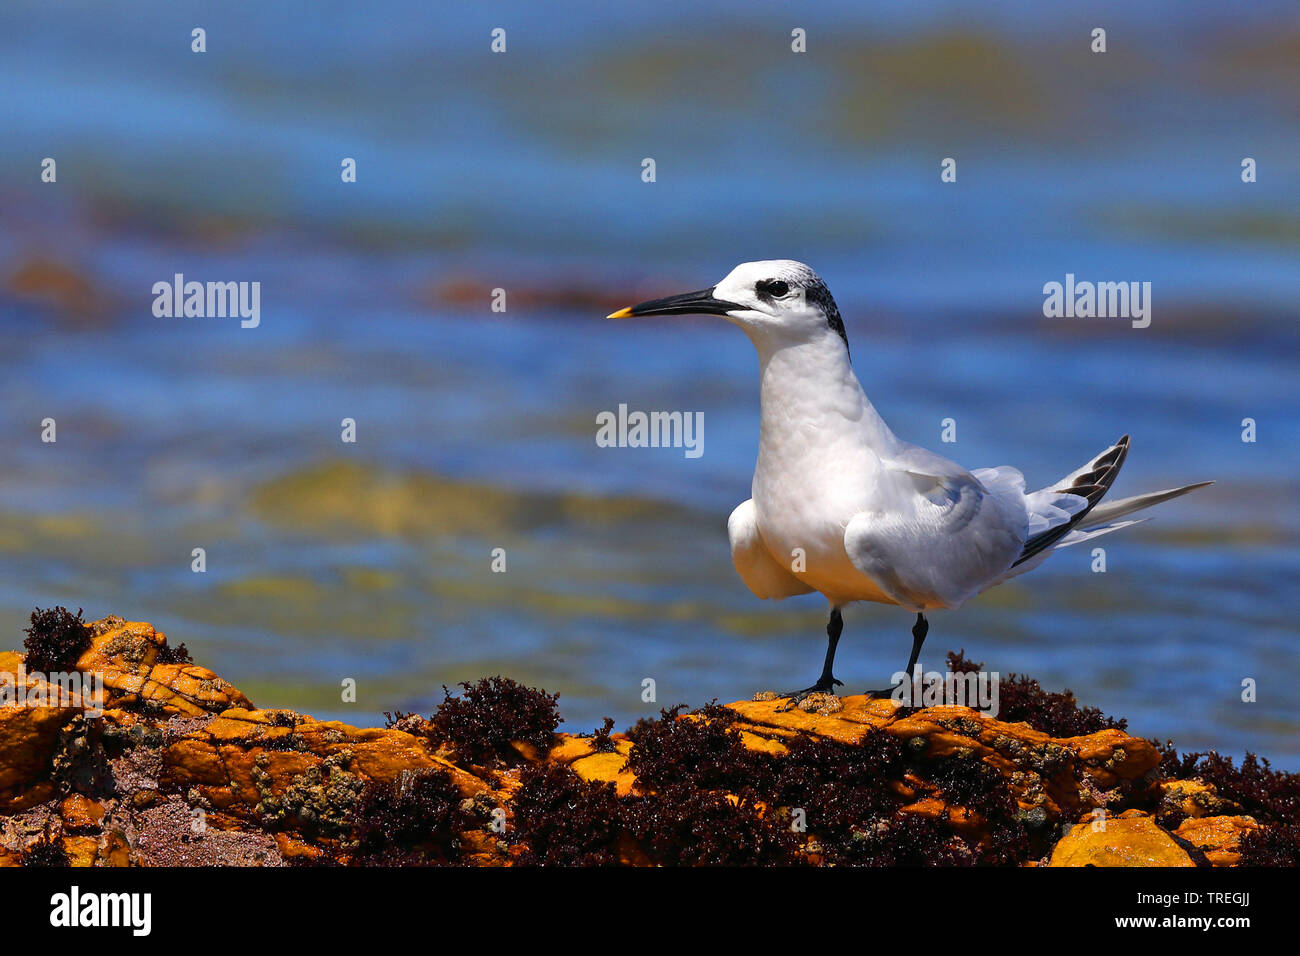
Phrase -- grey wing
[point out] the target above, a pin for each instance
(939, 538)
(761, 572)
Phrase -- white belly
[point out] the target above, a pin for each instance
(817, 465)
(801, 515)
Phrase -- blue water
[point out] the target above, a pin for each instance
(477, 430)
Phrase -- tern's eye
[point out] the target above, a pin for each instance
(773, 287)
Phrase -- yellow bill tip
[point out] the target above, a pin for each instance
(624, 313)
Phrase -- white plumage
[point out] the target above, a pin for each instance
(842, 506)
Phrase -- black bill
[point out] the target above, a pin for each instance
(689, 303)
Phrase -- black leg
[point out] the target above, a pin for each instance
(919, 630)
(834, 626)
(827, 682)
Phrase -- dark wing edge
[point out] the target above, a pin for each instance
(1091, 485)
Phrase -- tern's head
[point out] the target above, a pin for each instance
(774, 298)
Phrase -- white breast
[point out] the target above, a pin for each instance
(816, 464)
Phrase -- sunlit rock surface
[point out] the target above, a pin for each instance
(178, 767)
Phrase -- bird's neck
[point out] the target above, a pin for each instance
(813, 404)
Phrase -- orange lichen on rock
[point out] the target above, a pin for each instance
(1123, 841)
(593, 766)
(1193, 798)
(275, 763)
(1219, 838)
(177, 767)
(81, 813)
(32, 715)
(125, 654)
(1027, 758)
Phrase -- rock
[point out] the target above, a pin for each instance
(824, 704)
(126, 655)
(179, 768)
(1124, 841)
(32, 716)
(81, 850)
(1192, 798)
(276, 765)
(113, 849)
(1038, 768)
(81, 814)
(1219, 838)
(579, 755)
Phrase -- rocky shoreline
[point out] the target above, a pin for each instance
(180, 768)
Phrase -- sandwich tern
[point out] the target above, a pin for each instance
(840, 505)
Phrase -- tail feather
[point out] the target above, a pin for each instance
(1090, 483)
(1104, 513)
(1073, 520)
(1080, 535)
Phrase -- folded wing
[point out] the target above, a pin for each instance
(941, 533)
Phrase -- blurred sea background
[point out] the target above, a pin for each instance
(476, 430)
